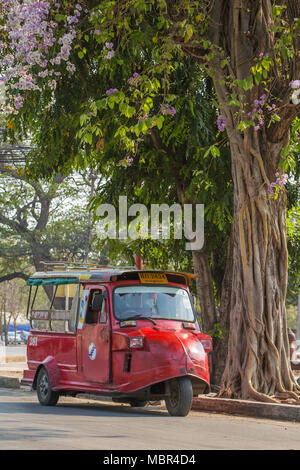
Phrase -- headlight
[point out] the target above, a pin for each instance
(207, 344)
(136, 342)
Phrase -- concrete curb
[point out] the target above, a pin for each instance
(12, 359)
(247, 408)
(9, 382)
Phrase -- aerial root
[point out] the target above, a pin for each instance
(288, 397)
(262, 397)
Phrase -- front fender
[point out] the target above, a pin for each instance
(52, 368)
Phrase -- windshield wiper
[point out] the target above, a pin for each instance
(140, 317)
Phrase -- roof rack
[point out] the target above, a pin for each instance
(64, 266)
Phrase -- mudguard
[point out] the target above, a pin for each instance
(52, 368)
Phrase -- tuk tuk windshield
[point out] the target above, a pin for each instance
(165, 302)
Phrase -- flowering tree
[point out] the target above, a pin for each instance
(251, 50)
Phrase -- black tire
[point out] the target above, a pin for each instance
(135, 403)
(46, 396)
(180, 400)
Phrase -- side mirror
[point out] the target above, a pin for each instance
(97, 302)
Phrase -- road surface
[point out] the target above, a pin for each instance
(83, 424)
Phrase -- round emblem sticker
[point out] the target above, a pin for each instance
(92, 351)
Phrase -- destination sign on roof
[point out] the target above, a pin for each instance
(153, 278)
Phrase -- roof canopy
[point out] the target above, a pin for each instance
(55, 281)
(101, 275)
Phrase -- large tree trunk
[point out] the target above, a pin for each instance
(258, 363)
(239, 33)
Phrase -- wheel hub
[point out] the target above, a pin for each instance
(44, 386)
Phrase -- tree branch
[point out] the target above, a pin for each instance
(14, 275)
(20, 228)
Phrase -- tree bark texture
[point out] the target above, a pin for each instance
(258, 365)
(258, 351)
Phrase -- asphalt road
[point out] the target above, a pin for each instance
(82, 424)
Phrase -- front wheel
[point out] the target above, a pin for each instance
(179, 402)
(46, 395)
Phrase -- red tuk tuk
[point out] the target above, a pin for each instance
(125, 333)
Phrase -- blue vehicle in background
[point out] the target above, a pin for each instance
(24, 335)
(18, 337)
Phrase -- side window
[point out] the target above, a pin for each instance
(92, 317)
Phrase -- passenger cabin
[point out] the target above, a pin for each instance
(54, 296)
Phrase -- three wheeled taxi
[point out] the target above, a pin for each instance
(125, 333)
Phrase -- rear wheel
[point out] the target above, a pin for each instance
(46, 395)
(179, 402)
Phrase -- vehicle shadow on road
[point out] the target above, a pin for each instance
(77, 407)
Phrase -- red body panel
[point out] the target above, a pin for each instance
(98, 358)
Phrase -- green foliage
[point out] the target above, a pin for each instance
(44, 221)
(218, 332)
(138, 148)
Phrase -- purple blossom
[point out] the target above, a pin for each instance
(167, 109)
(109, 45)
(277, 185)
(271, 188)
(264, 54)
(72, 19)
(221, 122)
(31, 36)
(18, 101)
(128, 161)
(111, 91)
(134, 79)
(259, 106)
(108, 48)
(109, 55)
(295, 84)
(142, 118)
